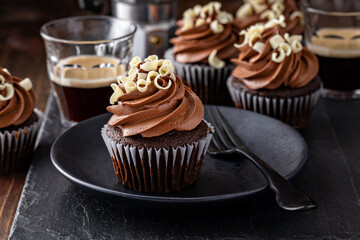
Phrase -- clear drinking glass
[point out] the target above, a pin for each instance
(333, 33)
(84, 56)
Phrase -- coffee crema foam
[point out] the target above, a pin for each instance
(336, 42)
(87, 71)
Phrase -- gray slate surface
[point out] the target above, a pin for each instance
(52, 208)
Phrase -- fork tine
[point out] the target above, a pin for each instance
(214, 139)
(230, 133)
(219, 130)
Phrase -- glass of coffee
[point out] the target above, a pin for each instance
(84, 56)
(333, 33)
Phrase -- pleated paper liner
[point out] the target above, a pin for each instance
(293, 110)
(207, 82)
(17, 146)
(157, 170)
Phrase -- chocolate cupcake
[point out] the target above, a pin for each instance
(257, 11)
(19, 122)
(202, 51)
(156, 137)
(275, 75)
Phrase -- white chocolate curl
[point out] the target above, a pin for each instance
(7, 71)
(149, 66)
(160, 87)
(278, 8)
(151, 74)
(278, 58)
(160, 62)
(135, 61)
(259, 47)
(197, 10)
(164, 70)
(291, 38)
(155, 70)
(167, 62)
(140, 83)
(172, 76)
(133, 70)
(2, 80)
(124, 79)
(215, 61)
(188, 23)
(151, 58)
(286, 47)
(142, 75)
(244, 11)
(224, 17)
(258, 6)
(253, 37)
(189, 13)
(26, 84)
(268, 14)
(199, 22)
(208, 9)
(273, 22)
(216, 27)
(275, 41)
(296, 46)
(8, 88)
(298, 14)
(130, 86)
(116, 94)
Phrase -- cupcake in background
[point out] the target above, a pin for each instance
(19, 122)
(275, 75)
(156, 136)
(202, 51)
(255, 11)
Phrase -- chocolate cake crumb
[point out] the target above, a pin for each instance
(282, 91)
(32, 119)
(171, 139)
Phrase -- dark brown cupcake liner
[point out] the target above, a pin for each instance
(17, 146)
(207, 82)
(157, 170)
(295, 111)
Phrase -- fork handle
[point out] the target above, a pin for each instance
(287, 196)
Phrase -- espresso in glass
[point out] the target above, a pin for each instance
(82, 84)
(338, 52)
(84, 55)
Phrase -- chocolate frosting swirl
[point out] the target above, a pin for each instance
(294, 26)
(198, 42)
(157, 111)
(258, 70)
(19, 107)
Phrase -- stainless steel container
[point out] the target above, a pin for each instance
(156, 20)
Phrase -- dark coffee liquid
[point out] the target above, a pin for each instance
(78, 104)
(338, 52)
(340, 73)
(82, 85)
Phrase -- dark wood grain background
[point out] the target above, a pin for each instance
(22, 53)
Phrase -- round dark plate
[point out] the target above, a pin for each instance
(81, 156)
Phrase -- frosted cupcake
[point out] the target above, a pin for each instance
(19, 122)
(255, 11)
(156, 137)
(275, 75)
(202, 51)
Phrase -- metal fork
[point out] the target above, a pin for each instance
(226, 142)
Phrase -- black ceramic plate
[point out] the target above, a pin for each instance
(81, 156)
